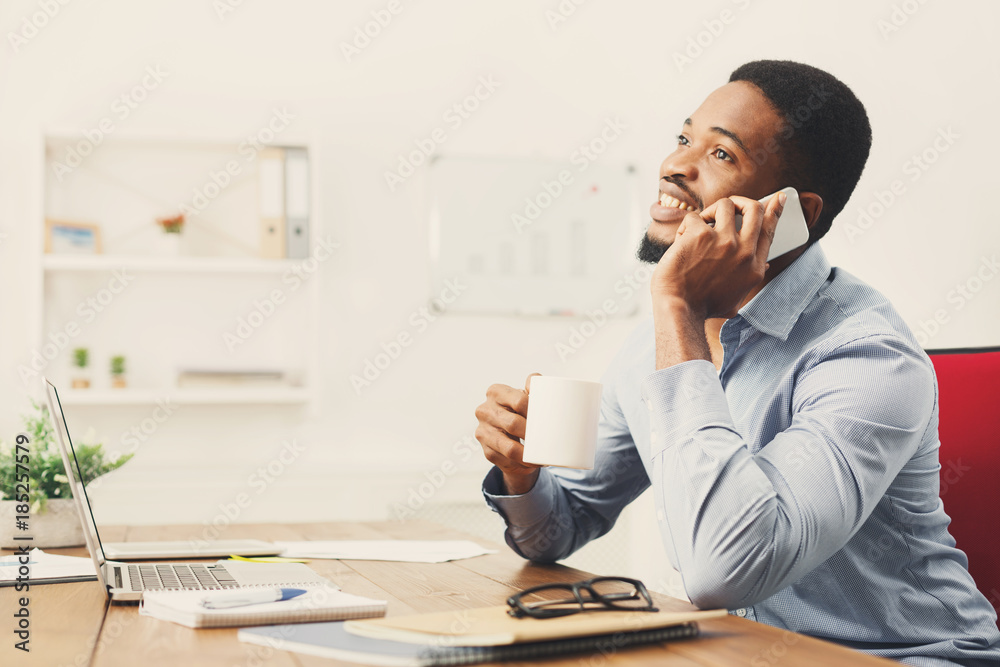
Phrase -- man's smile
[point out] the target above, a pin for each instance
(672, 205)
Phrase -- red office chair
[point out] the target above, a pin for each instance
(969, 405)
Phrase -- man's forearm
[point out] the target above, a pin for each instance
(680, 334)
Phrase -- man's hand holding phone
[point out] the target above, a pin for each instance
(709, 270)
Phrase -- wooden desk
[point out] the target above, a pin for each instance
(73, 625)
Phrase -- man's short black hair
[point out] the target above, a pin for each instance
(826, 135)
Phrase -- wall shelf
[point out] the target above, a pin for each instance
(186, 396)
(101, 263)
(193, 300)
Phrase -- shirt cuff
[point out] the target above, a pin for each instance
(524, 510)
(681, 400)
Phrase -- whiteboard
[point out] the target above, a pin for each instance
(526, 236)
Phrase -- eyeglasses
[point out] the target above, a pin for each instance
(597, 594)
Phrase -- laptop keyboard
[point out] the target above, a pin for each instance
(165, 576)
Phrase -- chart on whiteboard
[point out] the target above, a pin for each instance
(530, 236)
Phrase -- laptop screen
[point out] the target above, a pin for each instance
(74, 474)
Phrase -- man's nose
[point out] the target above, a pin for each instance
(679, 165)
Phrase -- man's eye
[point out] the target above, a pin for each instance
(682, 140)
(722, 155)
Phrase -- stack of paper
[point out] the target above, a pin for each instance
(410, 551)
(47, 568)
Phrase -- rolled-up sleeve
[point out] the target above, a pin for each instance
(744, 526)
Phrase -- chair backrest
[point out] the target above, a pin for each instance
(969, 429)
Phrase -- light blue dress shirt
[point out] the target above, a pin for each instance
(796, 486)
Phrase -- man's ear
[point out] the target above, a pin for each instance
(812, 206)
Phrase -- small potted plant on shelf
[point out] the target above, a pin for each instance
(172, 227)
(81, 358)
(118, 372)
(52, 519)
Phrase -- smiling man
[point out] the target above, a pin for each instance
(783, 413)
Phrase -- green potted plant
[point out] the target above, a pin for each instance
(172, 224)
(172, 227)
(53, 520)
(118, 372)
(81, 358)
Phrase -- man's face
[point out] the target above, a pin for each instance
(715, 159)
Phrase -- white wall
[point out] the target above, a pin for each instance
(557, 85)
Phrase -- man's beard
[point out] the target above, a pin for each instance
(650, 251)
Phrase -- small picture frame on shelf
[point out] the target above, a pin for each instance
(72, 238)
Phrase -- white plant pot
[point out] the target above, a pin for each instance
(58, 526)
(168, 244)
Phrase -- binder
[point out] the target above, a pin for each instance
(271, 178)
(296, 203)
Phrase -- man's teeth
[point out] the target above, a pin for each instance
(670, 202)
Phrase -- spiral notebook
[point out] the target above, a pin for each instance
(331, 640)
(319, 603)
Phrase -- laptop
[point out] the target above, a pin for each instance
(125, 582)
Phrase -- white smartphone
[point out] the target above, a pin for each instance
(791, 231)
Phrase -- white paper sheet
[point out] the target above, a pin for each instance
(46, 566)
(409, 551)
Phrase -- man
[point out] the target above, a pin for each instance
(783, 413)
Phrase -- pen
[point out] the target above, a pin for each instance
(245, 598)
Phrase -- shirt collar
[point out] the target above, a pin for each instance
(775, 309)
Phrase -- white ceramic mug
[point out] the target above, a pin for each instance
(562, 422)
